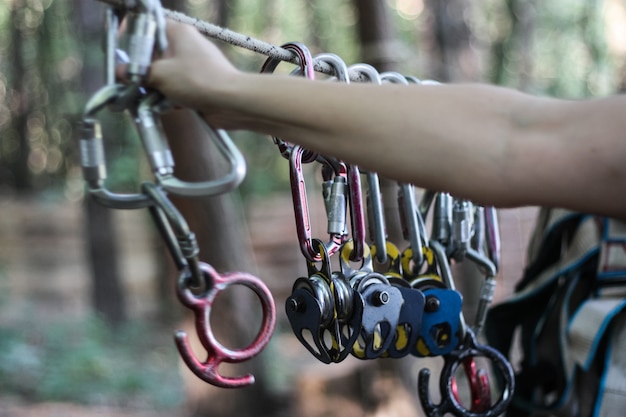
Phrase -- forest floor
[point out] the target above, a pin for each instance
(44, 299)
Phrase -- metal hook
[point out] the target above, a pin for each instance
(342, 74)
(301, 210)
(216, 352)
(492, 232)
(146, 29)
(307, 69)
(376, 217)
(449, 402)
(92, 154)
(180, 240)
(480, 391)
(159, 155)
(413, 225)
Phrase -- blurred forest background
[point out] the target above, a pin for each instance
(87, 310)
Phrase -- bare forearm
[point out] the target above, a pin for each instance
(418, 134)
(492, 145)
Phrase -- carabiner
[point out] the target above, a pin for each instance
(342, 74)
(92, 154)
(301, 210)
(112, 23)
(357, 217)
(216, 352)
(368, 71)
(160, 158)
(461, 228)
(376, 217)
(376, 220)
(406, 196)
(488, 288)
(306, 68)
(147, 30)
(411, 224)
(480, 390)
(179, 239)
(492, 232)
(449, 402)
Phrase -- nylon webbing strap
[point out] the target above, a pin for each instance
(588, 327)
(547, 219)
(614, 384)
(612, 265)
(604, 316)
(583, 245)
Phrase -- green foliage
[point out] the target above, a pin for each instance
(89, 362)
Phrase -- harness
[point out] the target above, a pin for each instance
(569, 314)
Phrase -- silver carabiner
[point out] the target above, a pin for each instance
(92, 155)
(162, 163)
(409, 213)
(342, 74)
(147, 30)
(376, 218)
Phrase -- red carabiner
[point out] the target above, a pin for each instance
(480, 392)
(216, 352)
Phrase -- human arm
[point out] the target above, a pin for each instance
(492, 145)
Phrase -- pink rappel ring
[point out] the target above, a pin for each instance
(216, 352)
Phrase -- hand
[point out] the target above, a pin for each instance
(192, 69)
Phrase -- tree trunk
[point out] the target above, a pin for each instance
(452, 56)
(18, 163)
(222, 12)
(518, 41)
(107, 294)
(375, 34)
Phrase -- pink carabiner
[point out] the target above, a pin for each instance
(301, 210)
(216, 352)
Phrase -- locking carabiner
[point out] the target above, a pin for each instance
(92, 154)
(160, 158)
(217, 353)
(449, 401)
(174, 230)
(342, 74)
(146, 30)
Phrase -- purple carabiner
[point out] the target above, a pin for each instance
(301, 210)
(357, 216)
(216, 352)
